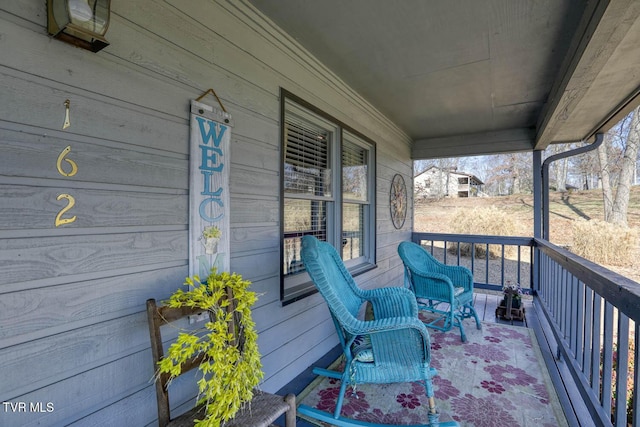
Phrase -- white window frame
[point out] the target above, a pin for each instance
(294, 287)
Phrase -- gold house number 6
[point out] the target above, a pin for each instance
(71, 202)
(61, 158)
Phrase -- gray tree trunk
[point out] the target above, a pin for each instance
(621, 201)
(560, 167)
(605, 179)
(561, 174)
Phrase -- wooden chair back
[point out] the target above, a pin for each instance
(262, 411)
(158, 317)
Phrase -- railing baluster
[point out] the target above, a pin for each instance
(573, 318)
(544, 278)
(588, 327)
(519, 270)
(580, 324)
(561, 300)
(566, 299)
(607, 358)
(486, 263)
(502, 267)
(566, 309)
(595, 349)
(636, 377)
(622, 364)
(553, 290)
(444, 260)
(556, 283)
(473, 259)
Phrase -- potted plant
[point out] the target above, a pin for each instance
(231, 366)
(511, 305)
(512, 291)
(211, 235)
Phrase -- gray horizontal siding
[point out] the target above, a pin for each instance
(72, 324)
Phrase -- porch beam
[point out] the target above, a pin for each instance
(596, 82)
(496, 142)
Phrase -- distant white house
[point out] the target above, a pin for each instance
(438, 182)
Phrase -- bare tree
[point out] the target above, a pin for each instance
(626, 133)
(586, 168)
(605, 178)
(509, 174)
(420, 166)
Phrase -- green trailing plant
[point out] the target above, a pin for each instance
(231, 367)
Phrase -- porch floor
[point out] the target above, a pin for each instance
(485, 304)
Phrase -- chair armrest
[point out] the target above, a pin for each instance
(431, 285)
(366, 327)
(455, 275)
(459, 275)
(438, 279)
(388, 335)
(392, 302)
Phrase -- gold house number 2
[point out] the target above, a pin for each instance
(71, 201)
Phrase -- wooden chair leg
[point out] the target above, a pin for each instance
(290, 415)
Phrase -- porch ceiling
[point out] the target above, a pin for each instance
(465, 77)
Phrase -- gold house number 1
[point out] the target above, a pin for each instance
(71, 201)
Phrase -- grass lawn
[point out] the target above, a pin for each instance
(435, 216)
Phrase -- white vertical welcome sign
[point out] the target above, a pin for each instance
(209, 228)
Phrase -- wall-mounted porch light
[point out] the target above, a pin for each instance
(79, 22)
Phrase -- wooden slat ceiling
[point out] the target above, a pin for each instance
(464, 77)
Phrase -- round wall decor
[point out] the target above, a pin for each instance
(398, 201)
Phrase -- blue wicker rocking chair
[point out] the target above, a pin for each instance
(446, 290)
(394, 347)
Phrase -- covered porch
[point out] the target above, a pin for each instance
(94, 178)
(586, 342)
(485, 303)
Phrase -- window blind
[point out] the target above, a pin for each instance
(306, 159)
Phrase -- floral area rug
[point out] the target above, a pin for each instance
(493, 379)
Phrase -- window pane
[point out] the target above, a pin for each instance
(354, 172)
(307, 160)
(352, 230)
(301, 218)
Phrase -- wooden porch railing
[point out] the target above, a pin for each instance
(509, 260)
(593, 313)
(588, 313)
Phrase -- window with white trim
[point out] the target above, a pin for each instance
(328, 191)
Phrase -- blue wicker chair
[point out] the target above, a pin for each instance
(446, 290)
(394, 347)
